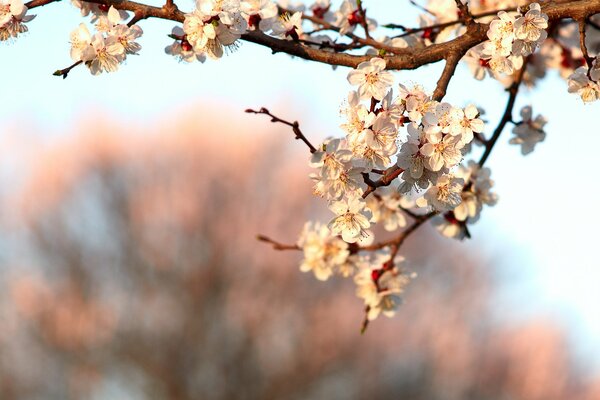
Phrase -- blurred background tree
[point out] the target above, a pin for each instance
(130, 270)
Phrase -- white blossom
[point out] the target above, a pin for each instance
(371, 78)
(352, 219)
(323, 252)
(528, 132)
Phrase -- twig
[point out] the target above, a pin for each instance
(402, 236)
(365, 323)
(294, 125)
(507, 116)
(64, 72)
(422, 8)
(277, 245)
(586, 56)
(363, 15)
(410, 31)
(388, 176)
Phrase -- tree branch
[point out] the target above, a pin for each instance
(294, 125)
(507, 116)
(447, 73)
(277, 245)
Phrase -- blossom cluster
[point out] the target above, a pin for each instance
(425, 141)
(109, 46)
(13, 18)
(378, 279)
(475, 194)
(513, 36)
(529, 131)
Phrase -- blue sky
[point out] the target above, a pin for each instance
(543, 231)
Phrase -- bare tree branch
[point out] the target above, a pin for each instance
(294, 125)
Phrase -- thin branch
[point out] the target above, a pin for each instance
(442, 25)
(586, 56)
(388, 176)
(294, 125)
(402, 236)
(507, 116)
(65, 72)
(363, 16)
(277, 245)
(422, 8)
(357, 39)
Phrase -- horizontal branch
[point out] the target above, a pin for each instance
(410, 58)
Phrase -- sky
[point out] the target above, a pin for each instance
(543, 232)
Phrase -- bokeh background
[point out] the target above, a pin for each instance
(129, 268)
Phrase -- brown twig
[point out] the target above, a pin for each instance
(388, 176)
(586, 56)
(402, 236)
(422, 8)
(507, 116)
(277, 245)
(65, 72)
(363, 16)
(294, 125)
(442, 25)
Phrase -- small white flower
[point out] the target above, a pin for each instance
(81, 44)
(531, 27)
(371, 78)
(529, 132)
(579, 83)
(322, 251)
(259, 14)
(380, 285)
(441, 154)
(109, 53)
(288, 27)
(386, 209)
(198, 33)
(444, 195)
(352, 219)
(182, 49)
(12, 18)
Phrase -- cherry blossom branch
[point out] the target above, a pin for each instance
(363, 15)
(402, 236)
(276, 245)
(463, 12)
(442, 25)
(422, 8)
(294, 125)
(38, 3)
(65, 71)
(447, 73)
(507, 116)
(388, 176)
(400, 59)
(356, 39)
(586, 56)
